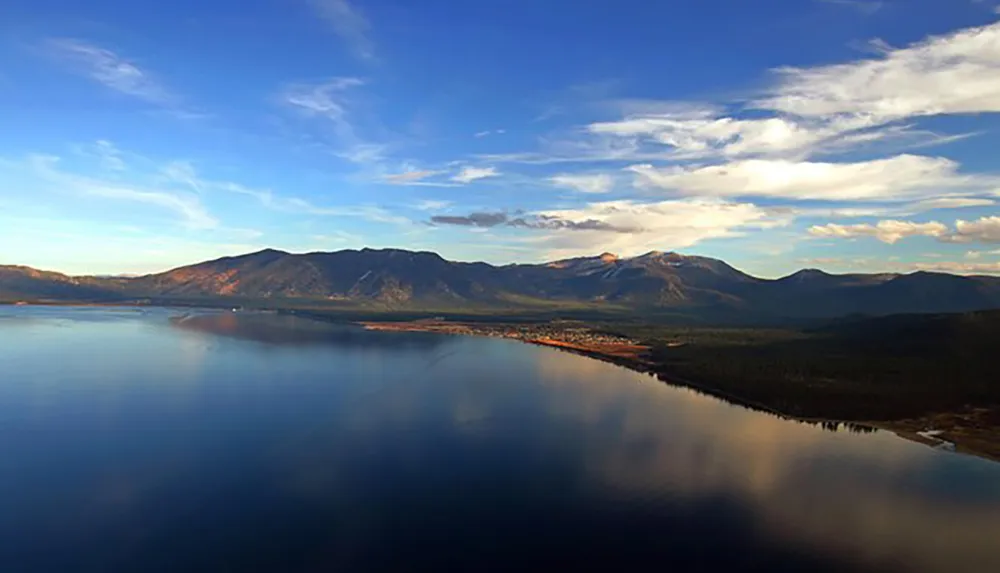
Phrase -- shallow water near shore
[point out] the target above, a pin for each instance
(170, 440)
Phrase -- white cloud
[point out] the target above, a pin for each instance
(350, 24)
(900, 177)
(766, 147)
(707, 132)
(957, 73)
(810, 110)
(469, 174)
(888, 231)
(662, 225)
(109, 69)
(595, 183)
(983, 230)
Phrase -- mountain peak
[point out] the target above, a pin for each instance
(668, 255)
(608, 257)
(810, 273)
(266, 253)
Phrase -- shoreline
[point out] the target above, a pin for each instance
(951, 431)
(636, 363)
(921, 429)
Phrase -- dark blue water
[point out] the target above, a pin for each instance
(146, 442)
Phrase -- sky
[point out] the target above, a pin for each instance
(846, 135)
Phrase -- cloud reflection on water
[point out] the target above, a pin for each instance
(873, 496)
(375, 431)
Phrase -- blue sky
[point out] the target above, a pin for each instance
(840, 134)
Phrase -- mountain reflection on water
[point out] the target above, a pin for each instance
(233, 441)
(289, 330)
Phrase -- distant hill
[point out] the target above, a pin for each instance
(656, 281)
(17, 282)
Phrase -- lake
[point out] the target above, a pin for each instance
(176, 440)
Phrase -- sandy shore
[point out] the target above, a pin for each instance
(579, 341)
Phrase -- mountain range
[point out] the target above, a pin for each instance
(400, 279)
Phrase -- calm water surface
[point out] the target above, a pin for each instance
(153, 441)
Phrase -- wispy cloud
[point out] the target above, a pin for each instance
(184, 173)
(888, 231)
(488, 132)
(584, 183)
(273, 201)
(469, 174)
(802, 112)
(982, 230)
(950, 203)
(432, 204)
(107, 155)
(371, 154)
(980, 254)
(371, 213)
(334, 102)
(327, 99)
(338, 237)
(410, 177)
(894, 178)
(110, 69)
(962, 268)
(350, 24)
(882, 265)
(187, 207)
(955, 73)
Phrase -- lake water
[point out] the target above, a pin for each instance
(156, 440)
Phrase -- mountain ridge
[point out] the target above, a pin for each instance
(415, 279)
